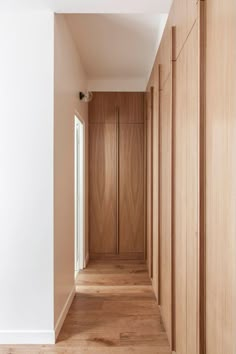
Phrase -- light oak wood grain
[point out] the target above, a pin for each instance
(117, 175)
(202, 177)
(183, 14)
(149, 181)
(131, 107)
(102, 188)
(155, 212)
(165, 54)
(152, 117)
(102, 108)
(220, 177)
(208, 184)
(131, 179)
(145, 177)
(179, 218)
(165, 205)
(192, 186)
(180, 202)
(186, 198)
(115, 256)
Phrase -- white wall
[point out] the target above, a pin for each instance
(69, 80)
(26, 178)
(117, 84)
(37, 173)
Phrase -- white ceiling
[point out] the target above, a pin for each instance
(88, 6)
(117, 39)
(117, 46)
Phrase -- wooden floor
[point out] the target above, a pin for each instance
(114, 311)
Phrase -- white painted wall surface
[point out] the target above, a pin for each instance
(69, 79)
(26, 178)
(118, 84)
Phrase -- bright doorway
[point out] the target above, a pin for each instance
(79, 196)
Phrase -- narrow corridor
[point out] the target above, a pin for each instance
(114, 311)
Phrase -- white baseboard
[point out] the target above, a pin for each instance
(64, 312)
(38, 337)
(27, 337)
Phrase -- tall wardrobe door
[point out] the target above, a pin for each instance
(149, 184)
(186, 196)
(102, 108)
(131, 107)
(220, 177)
(131, 188)
(165, 205)
(180, 202)
(103, 189)
(192, 162)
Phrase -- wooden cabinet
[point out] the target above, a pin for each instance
(102, 188)
(180, 199)
(155, 199)
(186, 197)
(116, 194)
(192, 189)
(149, 206)
(102, 108)
(165, 206)
(183, 15)
(203, 177)
(152, 168)
(131, 108)
(178, 163)
(131, 186)
(165, 55)
(220, 206)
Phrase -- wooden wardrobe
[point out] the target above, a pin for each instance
(116, 175)
(173, 156)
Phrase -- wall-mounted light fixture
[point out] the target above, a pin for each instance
(85, 96)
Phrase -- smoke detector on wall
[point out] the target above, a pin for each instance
(85, 96)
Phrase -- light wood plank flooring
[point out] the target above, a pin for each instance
(114, 311)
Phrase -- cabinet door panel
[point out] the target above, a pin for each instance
(131, 106)
(180, 202)
(102, 108)
(184, 14)
(155, 280)
(149, 182)
(186, 197)
(131, 188)
(220, 177)
(165, 206)
(102, 191)
(192, 162)
(165, 54)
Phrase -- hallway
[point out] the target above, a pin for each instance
(114, 311)
(118, 177)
